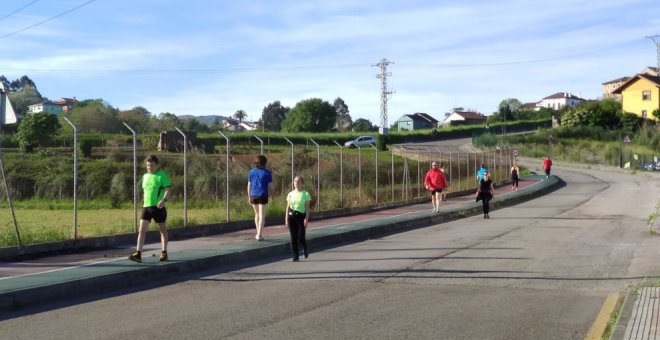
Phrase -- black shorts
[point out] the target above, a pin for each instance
(158, 215)
(259, 199)
(547, 172)
(434, 191)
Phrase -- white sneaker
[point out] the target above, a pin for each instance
(434, 211)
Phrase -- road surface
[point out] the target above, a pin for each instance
(539, 270)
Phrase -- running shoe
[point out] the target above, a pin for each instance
(135, 256)
(163, 256)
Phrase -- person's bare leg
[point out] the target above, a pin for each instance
(256, 219)
(164, 236)
(262, 218)
(142, 233)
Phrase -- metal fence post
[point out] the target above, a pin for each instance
(318, 175)
(376, 150)
(341, 174)
(4, 102)
(392, 178)
(227, 173)
(449, 172)
(291, 160)
(419, 184)
(135, 193)
(359, 173)
(406, 176)
(262, 144)
(75, 178)
(185, 177)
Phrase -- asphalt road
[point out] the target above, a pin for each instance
(539, 270)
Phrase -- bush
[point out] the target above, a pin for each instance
(118, 190)
(85, 147)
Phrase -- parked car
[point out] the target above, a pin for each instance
(361, 141)
(651, 166)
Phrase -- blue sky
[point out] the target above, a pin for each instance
(215, 57)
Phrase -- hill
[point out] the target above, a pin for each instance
(207, 120)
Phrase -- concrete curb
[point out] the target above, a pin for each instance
(625, 313)
(126, 274)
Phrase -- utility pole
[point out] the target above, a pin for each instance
(385, 93)
(656, 40)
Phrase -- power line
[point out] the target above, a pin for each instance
(18, 10)
(46, 20)
(163, 71)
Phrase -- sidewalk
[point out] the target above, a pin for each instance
(31, 282)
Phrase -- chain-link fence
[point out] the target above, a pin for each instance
(209, 183)
(611, 154)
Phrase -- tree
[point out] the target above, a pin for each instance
(364, 125)
(310, 115)
(344, 120)
(165, 122)
(603, 114)
(95, 116)
(137, 118)
(273, 115)
(656, 114)
(631, 122)
(513, 104)
(192, 124)
(23, 98)
(240, 115)
(36, 129)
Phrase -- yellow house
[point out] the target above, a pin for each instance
(641, 95)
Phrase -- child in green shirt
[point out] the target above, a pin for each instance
(297, 216)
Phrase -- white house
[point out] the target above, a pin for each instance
(458, 116)
(48, 107)
(559, 100)
(235, 125)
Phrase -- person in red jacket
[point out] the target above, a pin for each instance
(547, 164)
(436, 182)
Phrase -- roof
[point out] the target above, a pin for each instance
(560, 95)
(422, 116)
(528, 105)
(618, 80)
(654, 79)
(471, 115)
(63, 101)
(45, 103)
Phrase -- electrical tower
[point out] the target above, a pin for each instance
(385, 94)
(656, 40)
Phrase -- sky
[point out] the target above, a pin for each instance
(203, 57)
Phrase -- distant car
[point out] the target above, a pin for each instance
(361, 141)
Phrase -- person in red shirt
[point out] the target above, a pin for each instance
(435, 182)
(547, 164)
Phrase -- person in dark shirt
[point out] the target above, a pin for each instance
(515, 177)
(486, 193)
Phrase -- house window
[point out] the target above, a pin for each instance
(646, 95)
(644, 114)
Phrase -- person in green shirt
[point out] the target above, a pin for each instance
(156, 187)
(297, 216)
